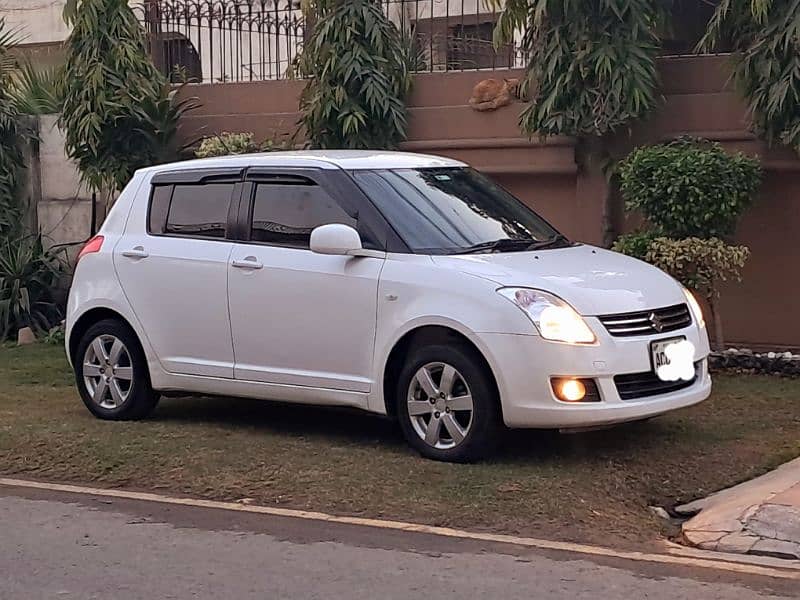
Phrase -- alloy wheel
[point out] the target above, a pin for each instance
(440, 405)
(108, 372)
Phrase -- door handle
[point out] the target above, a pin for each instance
(136, 252)
(249, 262)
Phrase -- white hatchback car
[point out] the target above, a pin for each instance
(397, 283)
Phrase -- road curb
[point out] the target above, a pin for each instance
(697, 558)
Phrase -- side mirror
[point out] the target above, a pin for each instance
(336, 239)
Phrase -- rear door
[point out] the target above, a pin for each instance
(298, 317)
(173, 266)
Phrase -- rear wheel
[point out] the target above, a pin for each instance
(111, 373)
(447, 404)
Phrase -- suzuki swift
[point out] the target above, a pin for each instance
(401, 284)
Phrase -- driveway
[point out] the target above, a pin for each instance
(57, 545)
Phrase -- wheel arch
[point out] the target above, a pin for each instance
(89, 318)
(424, 335)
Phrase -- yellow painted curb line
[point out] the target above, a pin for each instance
(790, 572)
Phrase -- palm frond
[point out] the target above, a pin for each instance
(35, 91)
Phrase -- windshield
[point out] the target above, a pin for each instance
(454, 210)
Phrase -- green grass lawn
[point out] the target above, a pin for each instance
(592, 487)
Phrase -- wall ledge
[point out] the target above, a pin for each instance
(480, 143)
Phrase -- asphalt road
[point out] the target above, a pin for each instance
(55, 545)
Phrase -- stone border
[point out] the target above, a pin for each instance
(772, 363)
(760, 516)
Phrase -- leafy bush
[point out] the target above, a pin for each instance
(635, 244)
(227, 143)
(699, 264)
(29, 274)
(358, 77)
(689, 188)
(56, 336)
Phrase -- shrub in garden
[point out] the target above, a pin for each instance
(635, 244)
(689, 187)
(226, 144)
(691, 193)
(29, 276)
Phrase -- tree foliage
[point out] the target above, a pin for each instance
(358, 75)
(110, 81)
(590, 63)
(689, 187)
(160, 121)
(765, 38)
(10, 155)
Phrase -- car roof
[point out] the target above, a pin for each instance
(325, 159)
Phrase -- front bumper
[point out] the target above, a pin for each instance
(524, 364)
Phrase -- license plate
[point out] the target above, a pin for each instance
(658, 351)
(672, 364)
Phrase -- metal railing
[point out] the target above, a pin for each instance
(451, 35)
(220, 41)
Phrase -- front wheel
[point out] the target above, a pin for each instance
(447, 404)
(111, 373)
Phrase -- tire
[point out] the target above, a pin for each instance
(119, 376)
(471, 378)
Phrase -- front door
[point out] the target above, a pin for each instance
(298, 317)
(172, 264)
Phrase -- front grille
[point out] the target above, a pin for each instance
(648, 322)
(641, 385)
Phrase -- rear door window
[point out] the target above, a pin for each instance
(190, 210)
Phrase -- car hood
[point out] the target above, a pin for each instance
(594, 281)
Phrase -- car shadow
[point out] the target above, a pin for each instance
(354, 426)
(336, 423)
(619, 441)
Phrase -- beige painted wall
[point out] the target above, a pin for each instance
(39, 21)
(64, 208)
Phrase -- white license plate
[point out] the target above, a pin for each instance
(673, 359)
(658, 351)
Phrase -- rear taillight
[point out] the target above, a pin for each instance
(92, 246)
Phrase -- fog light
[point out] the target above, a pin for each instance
(570, 389)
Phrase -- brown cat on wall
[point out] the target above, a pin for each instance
(491, 94)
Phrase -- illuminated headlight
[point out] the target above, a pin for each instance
(555, 319)
(694, 305)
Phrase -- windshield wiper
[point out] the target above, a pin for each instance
(549, 242)
(503, 245)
